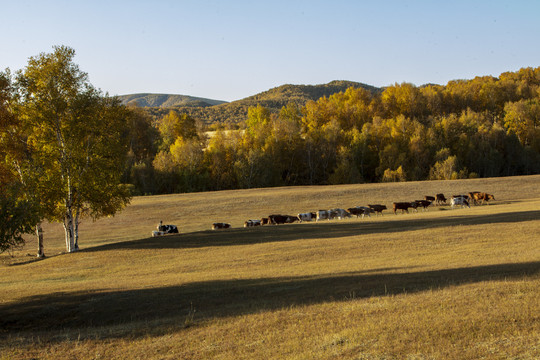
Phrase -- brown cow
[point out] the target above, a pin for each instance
(477, 196)
(216, 226)
(403, 206)
(378, 208)
(429, 198)
(471, 196)
(440, 199)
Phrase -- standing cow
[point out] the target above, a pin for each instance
(306, 216)
(481, 196)
(455, 201)
(378, 208)
(325, 215)
(361, 210)
(282, 219)
(440, 199)
(340, 213)
(403, 206)
(423, 203)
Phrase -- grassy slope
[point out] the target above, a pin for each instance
(441, 284)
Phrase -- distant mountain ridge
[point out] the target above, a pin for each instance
(166, 100)
(211, 111)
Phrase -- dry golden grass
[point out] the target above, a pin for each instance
(442, 284)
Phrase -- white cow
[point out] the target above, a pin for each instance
(306, 216)
(325, 215)
(250, 223)
(340, 213)
(455, 201)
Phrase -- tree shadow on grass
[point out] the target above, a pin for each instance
(220, 299)
(322, 230)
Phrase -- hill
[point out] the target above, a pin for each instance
(166, 100)
(236, 111)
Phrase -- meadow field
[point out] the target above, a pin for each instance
(459, 283)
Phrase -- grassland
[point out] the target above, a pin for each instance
(441, 284)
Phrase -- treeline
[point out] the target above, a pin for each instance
(483, 127)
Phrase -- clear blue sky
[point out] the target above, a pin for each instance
(228, 50)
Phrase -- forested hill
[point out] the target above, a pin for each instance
(166, 100)
(236, 111)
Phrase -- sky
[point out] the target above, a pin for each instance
(229, 50)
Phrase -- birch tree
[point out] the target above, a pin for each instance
(77, 137)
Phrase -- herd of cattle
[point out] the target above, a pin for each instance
(476, 197)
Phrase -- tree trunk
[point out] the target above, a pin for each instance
(76, 231)
(39, 234)
(69, 230)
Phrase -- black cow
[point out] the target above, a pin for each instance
(403, 206)
(282, 219)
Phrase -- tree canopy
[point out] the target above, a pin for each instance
(73, 141)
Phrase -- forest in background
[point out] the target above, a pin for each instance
(484, 127)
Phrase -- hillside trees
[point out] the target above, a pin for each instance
(143, 144)
(179, 163)
(76, 138)
(482, 127)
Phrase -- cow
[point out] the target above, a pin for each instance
(325, 215)
(265, 221)
(340, 213)
(429, 198)
(477, 196)
(455, 201)
(423, 203)
(378, 208)
(403, 206)
(415, 205)
(251, 223)
(219, 225)
(440, 199)
(282, 219)
(472, 195)
(165, 229)
(360, 210)
(306, 216)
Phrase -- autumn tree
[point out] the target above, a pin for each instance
(19, 214)
(523, 119)
(77, 139)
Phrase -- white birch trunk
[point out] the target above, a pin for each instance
(76, 230)
(69, 225)
(39, 234)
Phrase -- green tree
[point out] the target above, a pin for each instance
(77, 138)
(20, 206)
